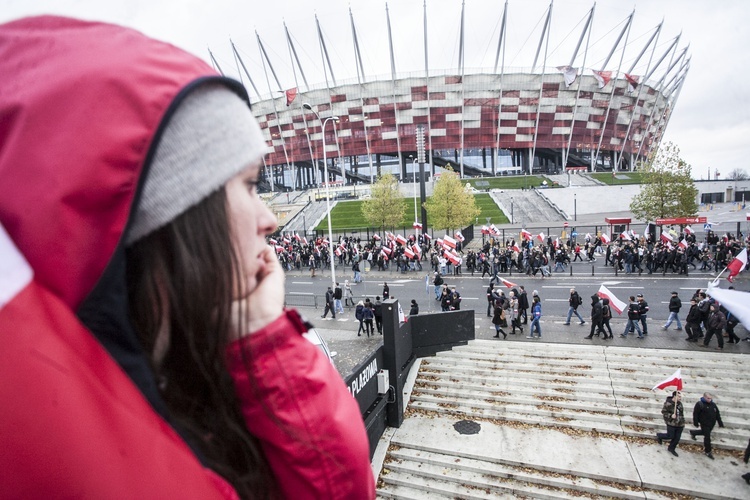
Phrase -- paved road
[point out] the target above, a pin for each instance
(341, 333)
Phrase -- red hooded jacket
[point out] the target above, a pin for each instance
(81, 105)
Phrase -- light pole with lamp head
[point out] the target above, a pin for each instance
(511, 211)
(414, 174)
(328, 195)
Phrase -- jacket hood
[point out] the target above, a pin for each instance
(594, 299)
(605, 302)
(81, 108)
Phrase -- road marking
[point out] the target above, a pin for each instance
(301, 282)
(555, 300)
(301, 293)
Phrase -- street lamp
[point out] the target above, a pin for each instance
(414, 172)
(328, 194)
(511, 211)
(575, 208)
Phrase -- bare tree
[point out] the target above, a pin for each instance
(738, 174)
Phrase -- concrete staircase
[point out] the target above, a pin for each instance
(529, 207)
(559, 421)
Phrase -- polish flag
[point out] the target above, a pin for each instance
(447, 240)
(383, 253)
(272, 241)
(540, 237)
(666, 238)
(304, 240)
(688, 230)
(408, 252)
(386, 250)
(297, 237)
(416, 250)
(603, 77)
(376, 237)
(337, 251)
(508, 284)
(625, 236)
(675, 380)
(440, 243)
(682, 244)
(516, 249)
(417, 225)
(605, 239)
(525, 234)
(389, 235)
(614, 302)
(427, 236)
(485, 230)
(557, 242)
(279, 249)
(459, 236)
(495, 230)
(325, 241)
(737, 265)
(451, 257)
(400, 239)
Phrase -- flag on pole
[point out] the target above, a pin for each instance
(304, 240)
(451, 257)
(384, 253)
(337, 251)
(447, 240)
(496, 231)
(440, 243)
(605, 239)
(417, 225)
(682, 244)
(737, 265)
(459, 236)
(617, 304)
(416, 250)
(603, 77)
(569, 74)
(291, 94)
(508, 284)
(272, 241)
(515, 248)
(485, 230)
(386, 250)
(540, 237)
(400, 239)
(675, 380)
(279, 249)
(408, 252)
(688, 230)
(666, 238)
(427, 236)
(632, 82)
(376, 237)
(556, 242)
(525, 234)
(735, 301)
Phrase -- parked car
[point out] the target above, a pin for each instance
(314, 337)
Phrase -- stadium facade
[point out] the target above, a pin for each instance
(542, 119)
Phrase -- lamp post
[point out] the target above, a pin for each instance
(414, 173)
(575, 208)
(328, 195)
(511, 211)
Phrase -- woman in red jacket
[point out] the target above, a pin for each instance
(150, 353)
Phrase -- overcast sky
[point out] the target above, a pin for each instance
(711, 122)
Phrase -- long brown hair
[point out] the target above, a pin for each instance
(182, 277)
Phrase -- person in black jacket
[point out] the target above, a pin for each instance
(633, 316)
(490, 298)
(378, 311)
(414, 309)
(715, 326)
(706, 415)
(573, 302)
(643, 310)
(596, 318)
(693, 322)
(675, 304)
(329, 304)
(523, 305)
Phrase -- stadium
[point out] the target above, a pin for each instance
(582, 110)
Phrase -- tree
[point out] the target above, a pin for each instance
(450, 206)
(738, 174)
(385, 208)
(667, 189)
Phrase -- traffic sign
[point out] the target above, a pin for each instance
(707, 227)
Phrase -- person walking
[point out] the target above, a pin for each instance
(536, 316)
(337, 295)
(329, 300)
(674, 416)
(574, 301)
(378, 312)
(643, 312)
(349, 300)
(706, 415)
(414, 309)
(515, 320)
(490, 298)
(675, 304)
(596, 317)
(438, 284)
(357, 274)
(359, 314)
(386, 291)
(715, 326)
(606, 316)
(367, 317)
(693, 321)
(523, 305)
(498, 319)
(633, 316)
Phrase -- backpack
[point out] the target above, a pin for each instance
(580, 300)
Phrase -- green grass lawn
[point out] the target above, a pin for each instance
(622, 178)
(347, 215)
(489, 209)
(509, 182)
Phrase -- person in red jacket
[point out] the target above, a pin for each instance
(146, 350)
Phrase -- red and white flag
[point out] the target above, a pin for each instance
(605, 239)
(569, 74)
(485, 230)
(614, 302)
(683, 244)
(279, 249)
(383, 253)
(297, 237)
(451, 257)
(666, 238)
(272, 241)
(525, 234)
(459, 236)
(625, 236)
(737, 265)
(408, 252)
(675, 380)
(494, 230)
(337, 251)
(417, 225)
(688, 230)
(508, 284)
(540, 237)
(603, 77)
(386, 250)
(291, 94)
(376, 237)
(427, 236)
(447, 240)
(416, 250)
(400, 239)
(632, 82)
(515, 248)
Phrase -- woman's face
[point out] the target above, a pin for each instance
(251, 221)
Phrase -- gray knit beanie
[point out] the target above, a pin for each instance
(211, 137)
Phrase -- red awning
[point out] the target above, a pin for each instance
(617, 221)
